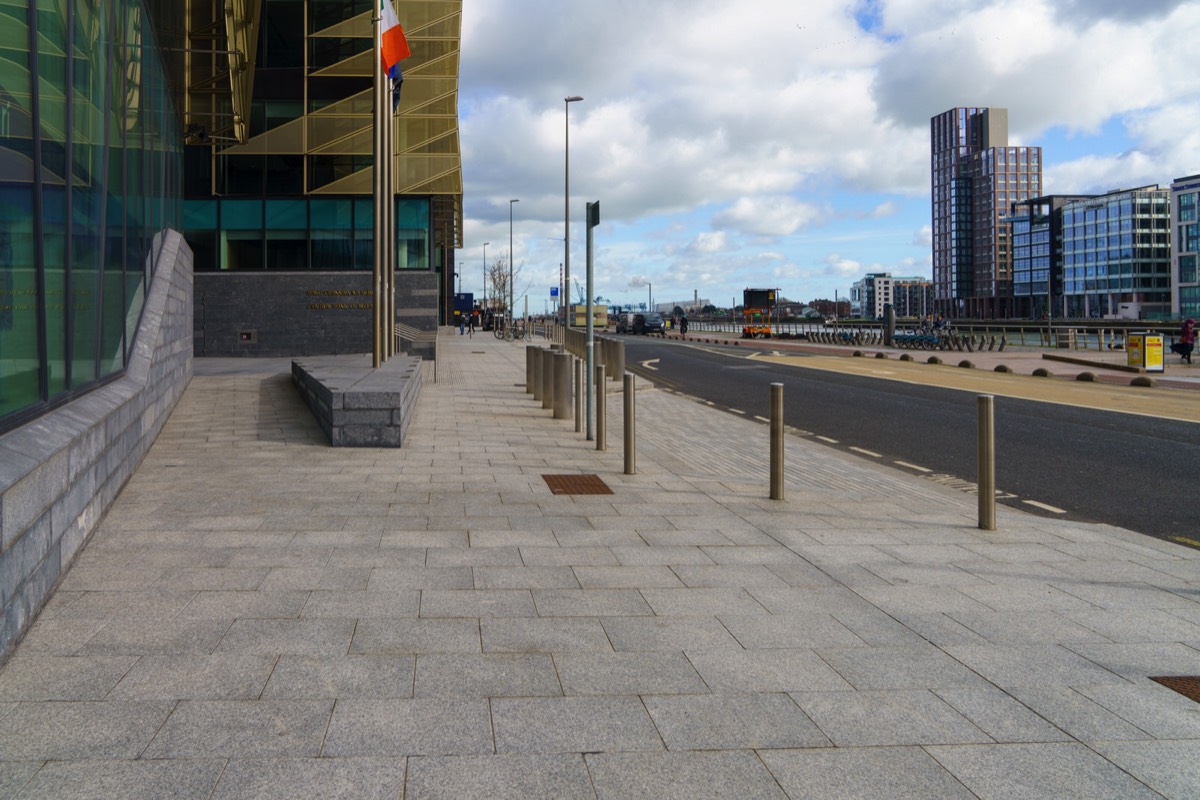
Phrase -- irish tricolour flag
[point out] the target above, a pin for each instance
(392, 43)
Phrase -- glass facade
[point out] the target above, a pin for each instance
(1117, 249)
(296, 195)
(90, 171)
(299, 233)
(1185, 226)
(976, 177)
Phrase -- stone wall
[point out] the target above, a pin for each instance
(278, 314)
(60, 473)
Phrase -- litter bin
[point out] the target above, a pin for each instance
(1145, 350)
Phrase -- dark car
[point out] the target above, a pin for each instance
(649, 322)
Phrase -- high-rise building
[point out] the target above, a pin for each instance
(1185, 240)
(975, 176)
(1117, 254)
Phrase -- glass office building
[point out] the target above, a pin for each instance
(1117, 255)
(1037, 255)
(1185, 233)
(91, 170)
(280, 215)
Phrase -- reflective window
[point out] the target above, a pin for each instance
(79, 212)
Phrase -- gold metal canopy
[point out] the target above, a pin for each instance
(222, 40)
(428, 160)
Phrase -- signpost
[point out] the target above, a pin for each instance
(593, 219)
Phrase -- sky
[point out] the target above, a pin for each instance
(784, 144)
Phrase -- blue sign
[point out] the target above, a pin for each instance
(554, 291)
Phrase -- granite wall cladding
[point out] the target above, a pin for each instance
(280, 314)
(60, 473)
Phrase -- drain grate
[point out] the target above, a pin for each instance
(577, 484)
(1188, 686)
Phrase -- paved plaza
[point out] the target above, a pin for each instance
(263, 616)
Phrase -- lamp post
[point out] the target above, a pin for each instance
(649, 296)
(511, 295)
(485, 244)
(567, 202)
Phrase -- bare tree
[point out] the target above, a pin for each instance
(501, 282)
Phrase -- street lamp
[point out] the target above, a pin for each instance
(567, 201)
(485, 244)
(649, 296)
(511, 296)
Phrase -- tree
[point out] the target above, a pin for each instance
(497, 278)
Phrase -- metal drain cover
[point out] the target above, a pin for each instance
(1188, 686)
(576, 484)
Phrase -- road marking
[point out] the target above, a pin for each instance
(912, 466)
(738, 411)
(1184, 541)
(827, 439)
(761, 419)
(1044, 507)
(870, 453)
(647, 364)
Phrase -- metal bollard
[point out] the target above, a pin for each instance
(601, 423)
(986, 462)
(562, 385)
(547, 379)
(618, 365)
(537, 373)
(777, 441)
(608, 357)
(578, 396)
(531, 353)
(630, 437)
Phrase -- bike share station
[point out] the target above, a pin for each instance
(1145, 351)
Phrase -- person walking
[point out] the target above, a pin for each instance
(462, 323)
(1187, 340)
(683, 326)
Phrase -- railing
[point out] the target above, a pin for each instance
(1069, 334)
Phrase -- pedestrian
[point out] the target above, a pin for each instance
(1187, 340)
(683, 326)
(471, 324)
(462, 323)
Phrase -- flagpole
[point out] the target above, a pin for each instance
(389, 195)
(377, 183)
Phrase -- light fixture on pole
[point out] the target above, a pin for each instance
(567, 203)
(511, 295)
(485, 244)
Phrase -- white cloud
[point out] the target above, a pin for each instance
(710, 130)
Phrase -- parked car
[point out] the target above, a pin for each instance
(624, 322)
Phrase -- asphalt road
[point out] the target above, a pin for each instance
(1136, 472)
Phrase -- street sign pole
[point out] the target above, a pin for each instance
(593, 219)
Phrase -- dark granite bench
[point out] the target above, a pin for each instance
(355, 404)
